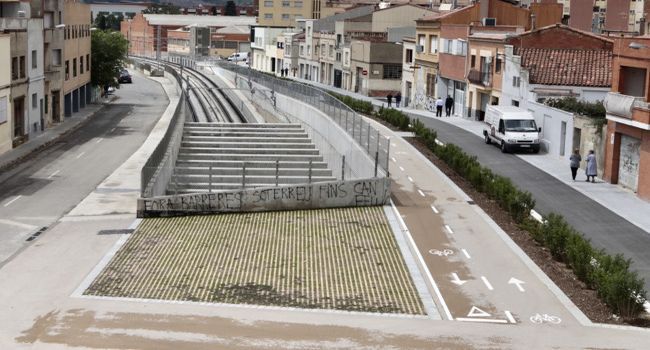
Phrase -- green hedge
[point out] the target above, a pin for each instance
(619, 287)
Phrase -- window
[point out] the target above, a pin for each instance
(515, 103)
(472, 63)
(34, 60)
(308, 49)
(34, 101)
(421, 39)
(88, 62)
(331, 50)
(409, 56)
(285, 16)
(22, 66)
(56, 57)
(497, 65)
(322, 49)
(392, 71)
(516, 81)
(67, 70)
(286, 3)
(302, 50)
(297, 4)
(461, 47)
(268, 15)
(431, 84)
(3, 109)
(74, 67)
(268, 3)
(433, 44)
(81, 65)
(347, 58)
(14, 68)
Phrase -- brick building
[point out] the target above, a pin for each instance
(627, 152)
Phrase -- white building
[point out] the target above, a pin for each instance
(408, 78)
(264, 49)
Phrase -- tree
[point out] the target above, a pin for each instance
(100, 21)
(230, 9)
(162, 9)
(109, 51)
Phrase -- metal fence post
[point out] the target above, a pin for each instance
(346, 120)
(210, 179)
(277, 172)
(243, 175)
(343, 169)
(310, 170)
(368, 143)
(354, 121)
(376, 161)
(387, 157)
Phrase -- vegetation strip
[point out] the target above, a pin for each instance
(342, 259)
(618, 286)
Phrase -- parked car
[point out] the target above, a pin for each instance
(125, 77)
(511, 128)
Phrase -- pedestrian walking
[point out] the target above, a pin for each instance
(449, 104)
(574, 163)
(286, 72)
(592, 166)
(439, 104)
(389, 98)
(398, 99)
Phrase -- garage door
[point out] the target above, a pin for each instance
(628, 166)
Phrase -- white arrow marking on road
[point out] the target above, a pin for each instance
(410, 178)
(434, 209)
(487, 283)
(476, 312)
(510, 317)
(421, 193)
(466, 253)
(456, 280)
(518, 283)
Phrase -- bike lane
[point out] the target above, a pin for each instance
(479, 273)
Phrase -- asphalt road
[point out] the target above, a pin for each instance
(603, 227)
(45, 187)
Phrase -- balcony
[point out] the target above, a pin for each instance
(13, 23)
(628, 107)
(480, 78)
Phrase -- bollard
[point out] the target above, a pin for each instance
(343, 169)
(376, 162)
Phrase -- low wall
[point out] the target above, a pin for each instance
(335, 194)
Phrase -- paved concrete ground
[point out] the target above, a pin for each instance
(612, 218)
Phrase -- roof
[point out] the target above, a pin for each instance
(569, 67)
(234, 29)
(205, 21)
(565, 27)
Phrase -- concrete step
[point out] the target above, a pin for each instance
(250, 171)
(244, 125)
(194, 180)
(271, 157)
(182, 188)
(247, 133)
(249, 164)
(245, 139)
(248, 145)
(223, 150)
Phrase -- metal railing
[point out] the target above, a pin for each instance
(370, 139)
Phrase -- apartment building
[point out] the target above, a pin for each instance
(284, 13)
(76, 56)
(6, 131)
(408, 68)
(627, 150)
(610, 15)
(53, 41)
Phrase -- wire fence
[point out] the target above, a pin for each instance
(370, 139)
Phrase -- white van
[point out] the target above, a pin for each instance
(238, 57)
(511, 128)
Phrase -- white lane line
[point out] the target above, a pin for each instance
(113, 129)
(410, 178)
(434, 209)
(393, 159)
(466, 253)
(509, 316)
(99, 140)
(18, 224)
(401, 168)
(487, 283)
(463, 319)
(422, 263)
(53, 174)
(13, 200)
(448, 228)
(80, 155)
(421, 193)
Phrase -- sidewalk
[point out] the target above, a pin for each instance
(52, 134)
(618, 200)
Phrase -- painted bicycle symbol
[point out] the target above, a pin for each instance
(539, 319)
(444, 252)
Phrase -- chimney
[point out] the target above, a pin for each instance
(484, 6)
(533, 21)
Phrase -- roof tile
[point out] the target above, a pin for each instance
(568, 67)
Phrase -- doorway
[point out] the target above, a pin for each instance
(562, 138)
(56, 107)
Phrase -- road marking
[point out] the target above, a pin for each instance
(509, 316)
(401, 168)
(487, 283)
(18, 224)
(421, 193)
(539, 319)
(13, 200)
(456, 280)
(53, 174)
(466, 253)
(393, 159)
(80, 155)
(113, 129)
(99, 140)
(434, 209)
(410, 178)
(422, 263)
(445, 252)
(463, 319)
(476, 312)
(518, 283)
(449, 229)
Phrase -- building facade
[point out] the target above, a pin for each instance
(627, 153)
(76, 57)
(6, 122)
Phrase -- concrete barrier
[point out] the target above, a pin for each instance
(334, 194)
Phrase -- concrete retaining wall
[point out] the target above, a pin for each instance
(375, 191)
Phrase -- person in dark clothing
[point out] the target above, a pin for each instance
(389, 98)
(398, 99)
(449, 104)
(574, 163)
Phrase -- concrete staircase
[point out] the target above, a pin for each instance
(271, 153)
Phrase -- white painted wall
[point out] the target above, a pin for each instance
(550, 120)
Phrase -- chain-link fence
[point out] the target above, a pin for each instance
(370, 139)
